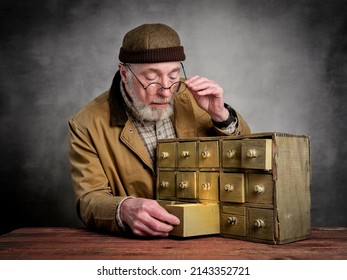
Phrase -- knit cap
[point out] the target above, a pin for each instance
(151, 43)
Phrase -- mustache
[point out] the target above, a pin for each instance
(161, 100)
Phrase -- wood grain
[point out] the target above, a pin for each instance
(83, 244)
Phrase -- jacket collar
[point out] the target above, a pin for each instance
(118, 115)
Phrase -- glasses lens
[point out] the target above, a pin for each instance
(153, 89)
(156, 88)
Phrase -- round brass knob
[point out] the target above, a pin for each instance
(228, 188)
(206, 186)
(183, 184)
(232, 220)
(164, 184)
(205, 154)
(252, 153)
(164, 155)
(231, 154)
(185, 154)
(259, 189)
(259, 223)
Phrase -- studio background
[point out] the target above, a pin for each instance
(282, 65)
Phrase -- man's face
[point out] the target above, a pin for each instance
(151, 107)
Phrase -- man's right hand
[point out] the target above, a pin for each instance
(146, 217)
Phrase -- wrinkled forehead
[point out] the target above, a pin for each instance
(162, 67)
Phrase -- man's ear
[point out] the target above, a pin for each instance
(123, 72)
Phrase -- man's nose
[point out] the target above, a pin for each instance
(165, 92)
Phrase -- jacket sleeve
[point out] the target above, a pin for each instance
(96, 205)
(241, 128)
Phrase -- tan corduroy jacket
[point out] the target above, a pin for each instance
(109, 160)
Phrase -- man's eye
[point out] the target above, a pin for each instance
(151, 78)
(174, 76)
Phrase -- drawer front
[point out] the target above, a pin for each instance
(186, 185)
(186, 154)
(208, 186)
(256, 154)
(233, 221)
(260, 188)
(231, 153)
(196, 219)
(261, 223)
(232, 187)
(208, 154)
(166, 154)
(166, 185)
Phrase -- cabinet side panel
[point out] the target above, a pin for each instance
(292, 175)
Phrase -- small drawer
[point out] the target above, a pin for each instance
(195, 218)
(166, 186)
(186, 185)
(186, 154)
(166, 154)
(231, 153)
(208, 186)
(208, 154)
(233, 221)
(256, 154)
(232, 187)
(260, 188)
(261, 224)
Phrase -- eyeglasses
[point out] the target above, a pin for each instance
(157, 88)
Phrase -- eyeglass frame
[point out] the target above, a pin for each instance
(161, 86)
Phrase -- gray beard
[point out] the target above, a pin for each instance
(147, 112)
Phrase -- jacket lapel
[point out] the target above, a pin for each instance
(133, 141)
(118, 116)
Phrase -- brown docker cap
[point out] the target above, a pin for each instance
(151, 43)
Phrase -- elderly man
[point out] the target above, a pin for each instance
(113, 139)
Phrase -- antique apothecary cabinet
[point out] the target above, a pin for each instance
(260, 184)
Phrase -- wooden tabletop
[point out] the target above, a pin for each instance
(84, 244)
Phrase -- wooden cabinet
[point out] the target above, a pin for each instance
(260, 182)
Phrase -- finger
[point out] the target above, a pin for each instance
(203, 85)
(209, 91)
(198, 81)
(147, 232)
(159, 213)
(149, 226)
(192, 79)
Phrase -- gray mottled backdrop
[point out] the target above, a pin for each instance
(282, 64)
